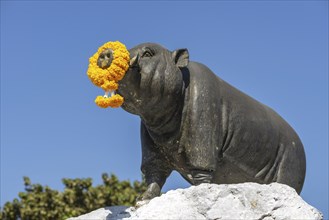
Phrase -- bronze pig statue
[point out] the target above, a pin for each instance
(197, 124)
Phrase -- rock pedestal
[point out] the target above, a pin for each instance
(211, 201)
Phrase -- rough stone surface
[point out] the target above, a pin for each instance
(211, 201)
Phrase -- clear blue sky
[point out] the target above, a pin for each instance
(275, 51)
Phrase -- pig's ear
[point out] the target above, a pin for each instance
(180, 57)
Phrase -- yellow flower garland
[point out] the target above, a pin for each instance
(108, 78)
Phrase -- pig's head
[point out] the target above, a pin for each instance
(154, 81)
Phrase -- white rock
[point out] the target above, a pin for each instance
(211, 201)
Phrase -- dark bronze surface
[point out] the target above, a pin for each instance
(197, 124)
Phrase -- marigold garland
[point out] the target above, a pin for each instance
(108, 78)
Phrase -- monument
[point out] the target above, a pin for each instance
(197, 124)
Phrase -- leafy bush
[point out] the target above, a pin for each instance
(79, 197)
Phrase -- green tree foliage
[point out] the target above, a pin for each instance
(79, 197)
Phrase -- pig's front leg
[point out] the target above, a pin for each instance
(155, 182)
(154, 167)
(155, 176)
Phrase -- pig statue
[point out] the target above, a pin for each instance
(197, 124)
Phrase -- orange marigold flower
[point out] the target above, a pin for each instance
(114, 101)
(108, 78)
(109, 85)
(101, 102)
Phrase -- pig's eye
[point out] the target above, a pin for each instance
(147, 54)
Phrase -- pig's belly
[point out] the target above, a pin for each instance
(226, 173)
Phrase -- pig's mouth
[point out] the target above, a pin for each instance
(128, 108)
(130, 105)
(129, 89)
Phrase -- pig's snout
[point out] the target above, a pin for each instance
(105, 59)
